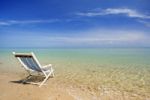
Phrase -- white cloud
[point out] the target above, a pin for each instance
(3, 23)
(12, 22)
(100, 38)
(115, 11)
(106, 38)
(146, 23)
(93, 37)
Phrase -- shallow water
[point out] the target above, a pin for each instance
(119, 69)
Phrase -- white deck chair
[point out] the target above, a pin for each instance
(32, 65)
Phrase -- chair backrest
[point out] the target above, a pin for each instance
(29, 61)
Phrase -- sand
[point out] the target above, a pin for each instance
(53, 90)
(17, 91)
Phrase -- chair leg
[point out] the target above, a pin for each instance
(45, 79)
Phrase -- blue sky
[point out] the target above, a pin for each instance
(74, 23)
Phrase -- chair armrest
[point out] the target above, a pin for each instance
(49, 65)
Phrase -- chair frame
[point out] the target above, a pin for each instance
(30, 71)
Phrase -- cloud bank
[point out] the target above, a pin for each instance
(115, 11)
(93, 38)
(16, 22)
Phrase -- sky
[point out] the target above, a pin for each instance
(74, 23)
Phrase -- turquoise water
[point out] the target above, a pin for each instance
(124, 69)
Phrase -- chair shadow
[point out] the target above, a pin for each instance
(19, 82)
(27, 80)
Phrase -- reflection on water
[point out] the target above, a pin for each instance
(95, 70)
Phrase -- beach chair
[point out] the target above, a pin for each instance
(32, 66)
